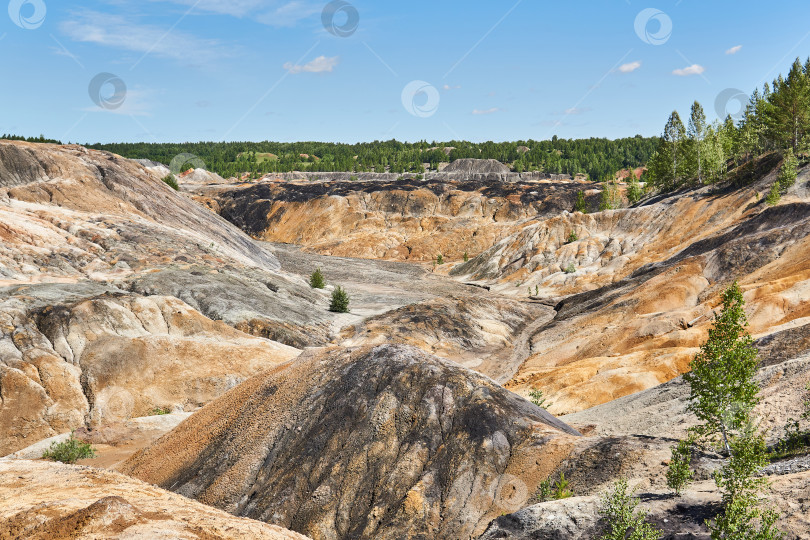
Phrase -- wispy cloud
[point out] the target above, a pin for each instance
(123, 33)
(322, 64)
(493, 110)
(269, 12)
(694, 69)
(629, 68)
(137, 103)
(734, 50)
(576, 110)
(447, 87)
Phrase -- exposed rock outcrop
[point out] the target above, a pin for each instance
(402, 220)
(477, 166)
(47, 501)
(372, 443)
(66, 364)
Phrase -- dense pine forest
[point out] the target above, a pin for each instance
(595, 157)
(776, 121)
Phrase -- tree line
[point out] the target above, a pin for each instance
(595, 157)
(776, 118)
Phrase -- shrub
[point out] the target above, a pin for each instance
(580, 205)
(160, 411)
(570, 269)
(679, 473)
(69, 451)
(573, 237)
(789, 171)
(316, 280)
(536, 397)
(353, 178)
(171, 181)
(774, 194)
(440, 260)
(466, 257)
(554, 490)
(340, 301)
(624, 523)
(634, 192)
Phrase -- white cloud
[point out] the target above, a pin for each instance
(694, 69)
(122, 33)
(493, 110)
(322, 64)
(629, 68)
(734, 50)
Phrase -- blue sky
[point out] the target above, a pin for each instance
(269, 69)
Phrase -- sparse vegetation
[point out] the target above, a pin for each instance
(573, 237)
(340, 301)
(570, 269)
(580, 205)
(679, 473)
(536, 397)
(797, 438)
(723, 393)
(440, 259)
(624, 522)
(69, 451)
(317, 279)
(160, 411)
(611, 199)
(171, 181)
(466, 257)
(551, 490)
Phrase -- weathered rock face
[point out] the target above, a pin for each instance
(477, 166)
(85, 238)
(45, 501)
(652, 276)
(402, 220)
(370, 443)
(110, 358)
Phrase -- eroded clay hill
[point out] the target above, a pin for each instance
(366, 443)
(644, 282)
(48, 501)
(401, 220)
(119, 295)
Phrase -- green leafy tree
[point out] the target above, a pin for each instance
(789, 170)
(69, 451)
(618, 508)
(580, 205)
(634, 191)
(723, 391)
(340, 301)
(611, 198)
(317, 280)
(679, 473)
(171, 181)
(743, 516)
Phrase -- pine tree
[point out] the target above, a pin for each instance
(674, 135)
(697, 133)
(340, 301)
(787, 112)
(316, 280)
